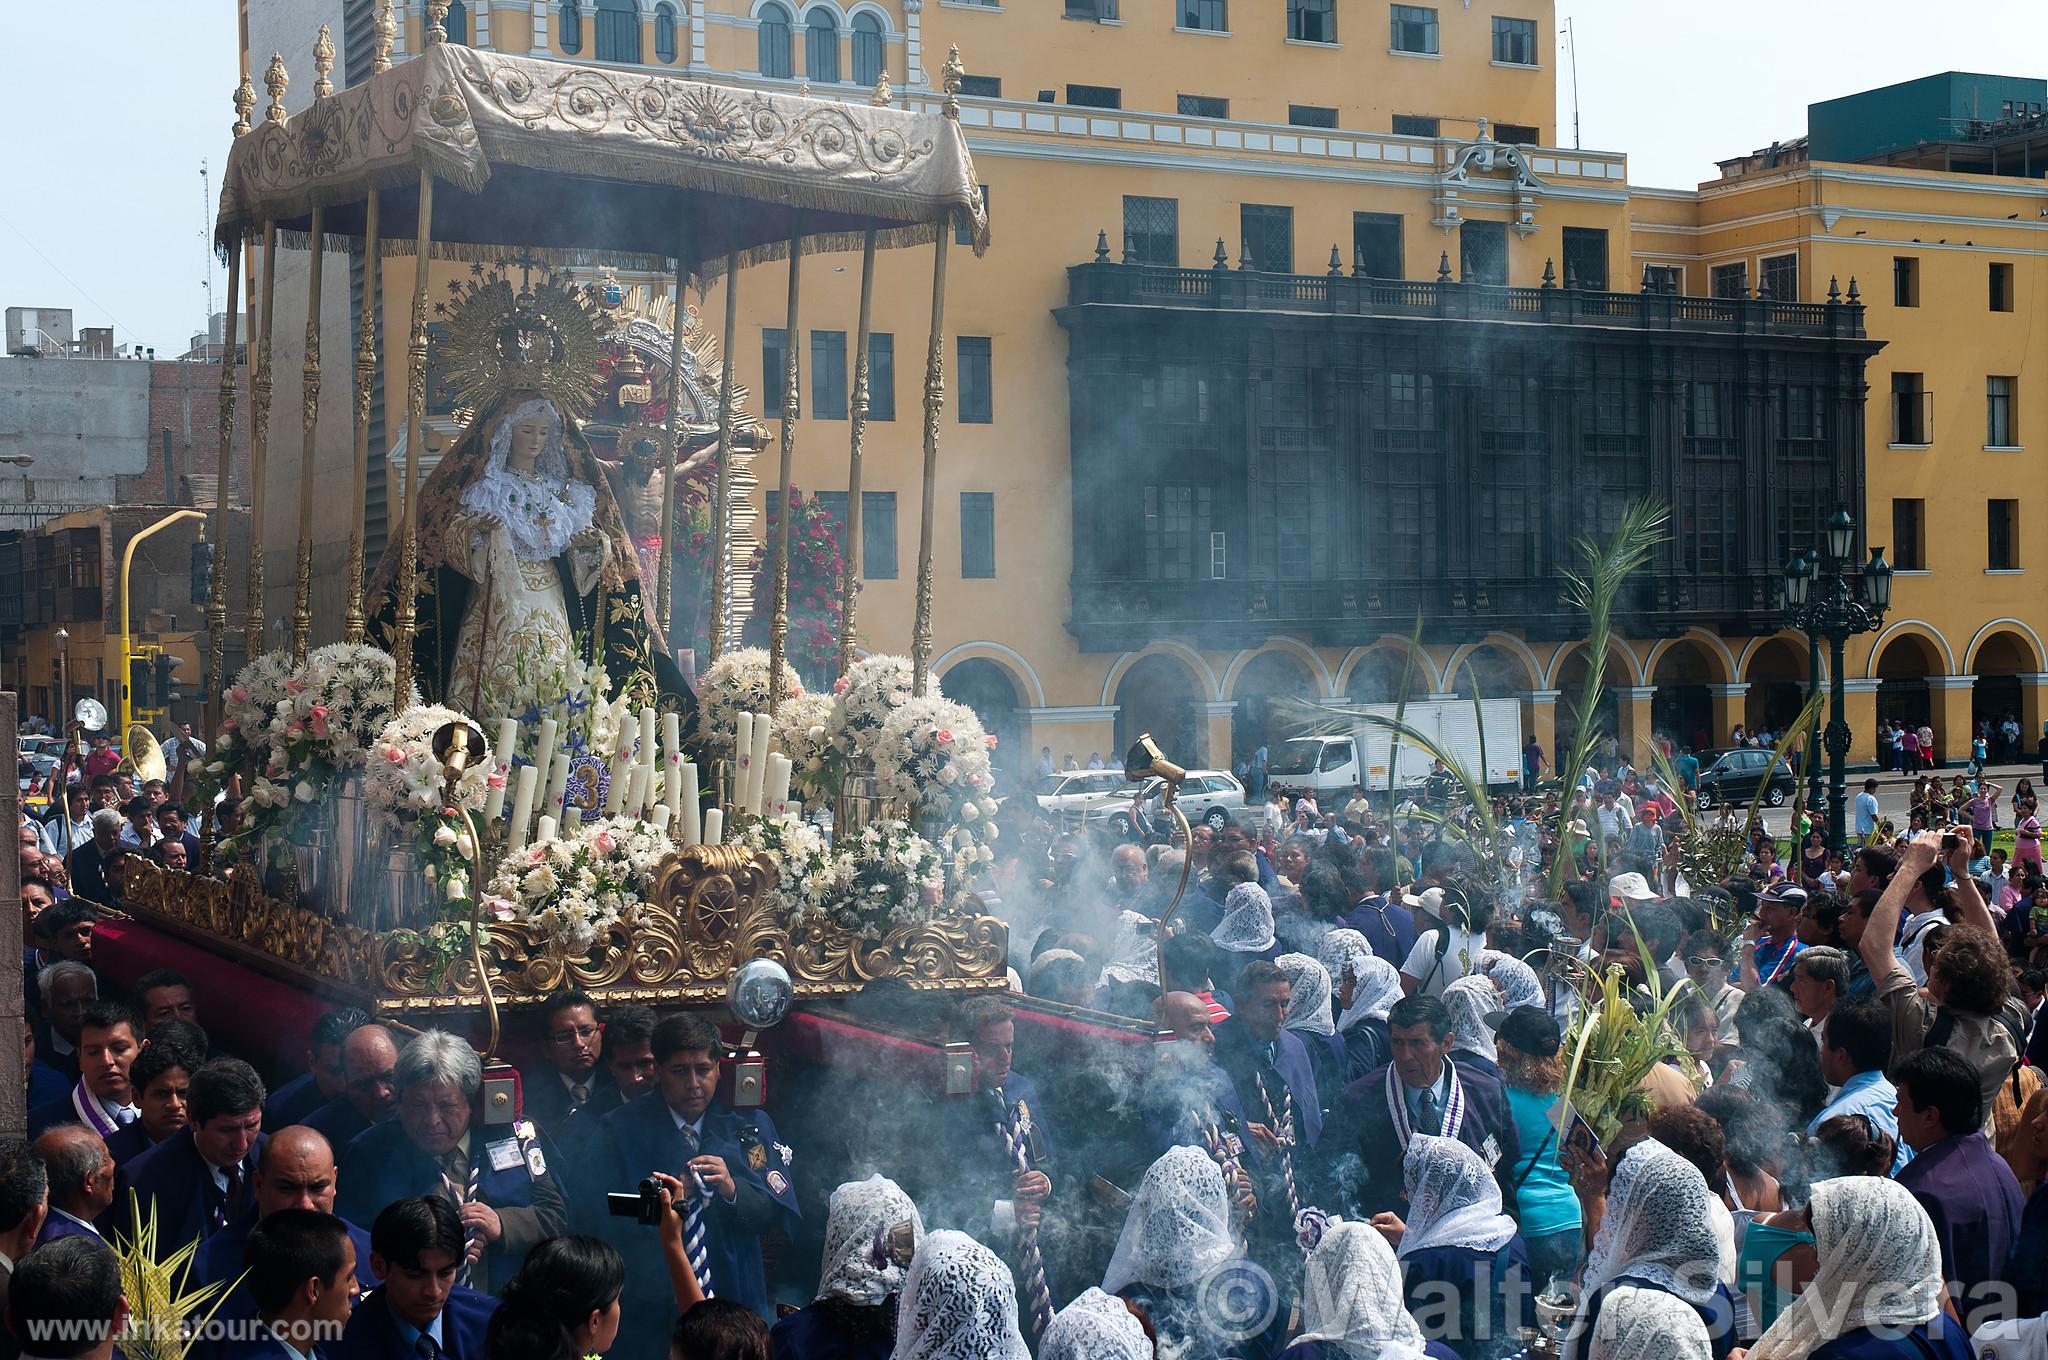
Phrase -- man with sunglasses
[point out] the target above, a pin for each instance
(369, 1095)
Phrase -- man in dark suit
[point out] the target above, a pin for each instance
(1269, 1069)
(416, 1245)
(170, 821)
(201, 1180)
(302, 1274)
(66, 989)
(81, 1182)
(162, 1081)
(569, 1074)
(741, 1175)
(501, 1176)
(104, 1098)
(1420, 1091)
(629, 1063)
(369, 1057)
(89, 866)
(165, 994)
(24, 1201)
(324, 1079)
(69, 1294)
(294, 1170)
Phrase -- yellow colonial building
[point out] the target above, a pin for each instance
(1298, 323)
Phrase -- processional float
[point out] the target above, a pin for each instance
(490, 787)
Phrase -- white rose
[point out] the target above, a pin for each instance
(444, 836)
(303, 791)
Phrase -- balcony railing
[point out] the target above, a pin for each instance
(1222, 289)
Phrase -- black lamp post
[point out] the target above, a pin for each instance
(1850, 600)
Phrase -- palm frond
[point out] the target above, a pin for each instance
(1795, 736)
(164, 1314)
(1413, 650)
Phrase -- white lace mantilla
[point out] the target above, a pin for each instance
(959, 1303)
(862, 1214)
(1453, 1198)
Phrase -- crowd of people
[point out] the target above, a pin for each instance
(1288, 1090)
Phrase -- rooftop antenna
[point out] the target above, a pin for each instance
(206, 240)
(1571, 47)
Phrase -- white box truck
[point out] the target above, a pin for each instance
(1332, 765)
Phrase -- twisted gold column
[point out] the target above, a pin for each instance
(792, 407)
(665, 568)
(366, 382)
(721, 516)
(849, 564)
(934, 407)
(217, 604)
(309, 420)
(259, 451)
(415, 435)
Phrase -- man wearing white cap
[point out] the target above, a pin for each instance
(1625, 890)
(1451, 948)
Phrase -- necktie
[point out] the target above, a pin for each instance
(125, 1115)
(459, 1183)
(231, 1198)
(425, 1349)
(1427, 1120)
(693, 1219)
(579, 1093)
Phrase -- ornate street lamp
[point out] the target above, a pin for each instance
(1849, 600)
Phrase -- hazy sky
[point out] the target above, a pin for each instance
(101, 209)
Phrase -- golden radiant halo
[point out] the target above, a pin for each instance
(541, 335)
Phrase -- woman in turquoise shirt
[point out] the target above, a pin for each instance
(1531, 1067)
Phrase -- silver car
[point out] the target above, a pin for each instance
(1212, 796)
(1074, 797)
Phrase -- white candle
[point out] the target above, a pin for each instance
(636, 801)
(742, 760)
(522, 808)
(572, 818)
(692, 810)
(762, 726)
(615, 791)
(545, 831)
(647, 736)
(672, 762)
(494, 800)
(501, 756)
(544, 752)
(714, 826)
(778, 784)
(660, 818)
(558, 783)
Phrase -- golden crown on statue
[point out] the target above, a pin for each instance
(541, 335)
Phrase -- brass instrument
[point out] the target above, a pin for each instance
(141, 756)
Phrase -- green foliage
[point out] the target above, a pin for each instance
(164, 1313)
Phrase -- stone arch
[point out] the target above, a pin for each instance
(1902, 662)
(1427, 679)
(2000, 654)
(1682, 669)
(1508, 653)
(1260, 684)
(2034, 653)
(1021, 673)
(1946, 656)
(1777, 670)
(1568, 677)
(1212, 689)
(990, 689)
(1721, 662)
(1318, 672)
(1161, 691)
(1758, 643)
(1632, 665)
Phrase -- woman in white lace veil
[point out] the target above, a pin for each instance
(1470, 1000)
(958, 1303)
(542, 507)
(1648, 1324)
(1367, 987)
(1656, 1233)
(1457, 1244)
(1308, 1002)
(1095, 1326)
(871, 1228)
(1247, 924)
(1352, 1301)
(1453, 1199)
(1178, 1228)
(1880, 1267)
(1517, 981)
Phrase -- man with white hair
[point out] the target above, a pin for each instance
(502, 1177)
(67, 988)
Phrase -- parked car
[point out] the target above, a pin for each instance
(1077, 796)
(1212, 796)
(1734, 777)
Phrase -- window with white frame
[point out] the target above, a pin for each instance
(1413, 29)
(1207, 16)
(1514, 41)
(774, 57)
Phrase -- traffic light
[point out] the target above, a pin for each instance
(166, 680)
(202, 572)
(139, 681)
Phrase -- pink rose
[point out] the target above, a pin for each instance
(604, 843)
(496, 781)
(945, 735)
(500, 908)
(240, 694)
(228, 724)
(839, 685)
(535, 855)
(319, 720)
(293, 729)
(294, 685)
(394, 756)
(991, 740)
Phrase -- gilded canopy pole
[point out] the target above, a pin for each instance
(224, 480)
(415, 420)
(792, 409)
(309, 388)
(934, 407)
(849, 579)
(665, 569)
(366, 382)
(721, 517)
(259, 448)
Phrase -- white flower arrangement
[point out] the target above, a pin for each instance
(872, 689)
(332, 709)
(803, 729)
(808, 869)
(736, 683)
(248, 706)
(574, 890)
(933, 755)
(404, 781)
(888, 876)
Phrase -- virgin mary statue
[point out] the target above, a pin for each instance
(527, 575)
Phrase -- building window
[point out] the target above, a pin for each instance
(774, 42)
(828, 375)
(1312, 20)
(977, 400)
(774, 367)
(618, 30)
(963, 230)
(1905, 281)
(665, 34)
(1412, 125)
(1311, 115)
(1514, 42)
(456, 25)
(1912, 409)
(877, 534)
(1516, 134)
(1176, 531)
(1266, 236)
(977, 535)
(2001, 287)
(1909, 549)
(1668, 279)
(1095, 96)
(1376, 244)
(1729, 280)
(1780, 277)
(983, 87)
(881, 376)
(1152, 230)
(571, 22)
(1096, 11)
(2003, 535)
(821, 47)
(1483, 252)
(1998, 421)
(1585, 258)
(1414, 28)
(1202, 106)
(1210, 16)
(867, 49)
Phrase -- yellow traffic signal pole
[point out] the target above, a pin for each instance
(128, 642)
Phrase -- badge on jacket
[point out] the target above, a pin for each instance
(757, 1155)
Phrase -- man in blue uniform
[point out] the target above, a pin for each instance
(501, 1177)
(161, 1079)
(368, 1057)
(418, 1312)
(323, 1079)
(202, 1178)
(70, 1292)
(740, 1172)
(103, 1098)
(1269, 1069)
(302, 1274)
